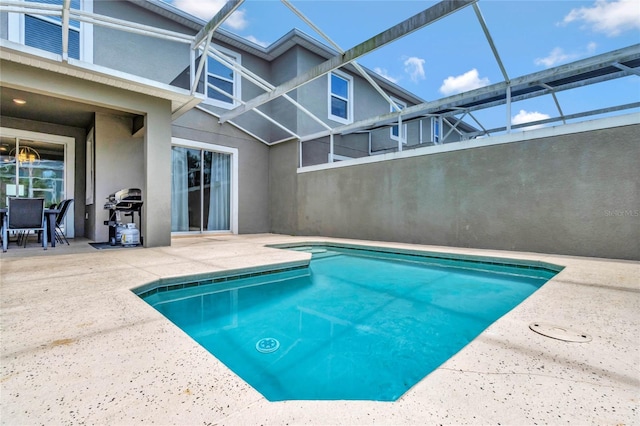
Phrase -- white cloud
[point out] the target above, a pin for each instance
(556, 56)
(206, 9)
(252, 39)
(611, 18)
(462, 83)
(237, 20)
(414, 66)
(527, 117)
(382, 72)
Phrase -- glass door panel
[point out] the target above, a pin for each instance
(217, 194)
(7, 170)
(185, 189)
(200, 190)
(38, 167)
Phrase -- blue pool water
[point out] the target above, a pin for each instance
(355, 325)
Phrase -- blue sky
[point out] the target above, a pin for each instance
(453, 55)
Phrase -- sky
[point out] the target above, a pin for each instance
(453, 55)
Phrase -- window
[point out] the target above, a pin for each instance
(203, 193)
(340, 97)
(435, 130)
(222, 82)
(45, 31)
(221, 77)
(395, 132)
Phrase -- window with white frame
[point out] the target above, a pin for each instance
(222, 81)
(340, 97)
(395, 131)
(435, 130)
(44, 31)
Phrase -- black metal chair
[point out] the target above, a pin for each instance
(25, 215)
(63, 207)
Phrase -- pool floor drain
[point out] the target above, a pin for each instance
(558, 332)
(267, 345)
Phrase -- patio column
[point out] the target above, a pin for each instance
(156, 227)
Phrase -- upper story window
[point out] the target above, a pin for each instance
(395, 130)
(222, 82)
(435, 130)
(45, 31)
(340, 97)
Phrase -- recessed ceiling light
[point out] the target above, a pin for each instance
(19, 101)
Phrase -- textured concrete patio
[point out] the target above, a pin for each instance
(78, 347)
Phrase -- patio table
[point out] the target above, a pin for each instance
(49, 221)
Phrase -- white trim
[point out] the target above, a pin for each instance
(69, 164)
(16, 28)
(349, 100)
(187, 143)
(237, 78)
(546, 132)
(337, 157)
(405, 128)
(41, 59)
(86, 34)
(90, 168)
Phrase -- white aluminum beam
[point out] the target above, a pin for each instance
(487, 34)
(131, 27)
(261, 82)
(66, 5)
(21, 6)
(355, 64)
(626, 68)
(256, 110)
(555, 99)
(203, 60)
(458, 121)
(478, 123)
(566, 117)
(422, 19)
(455, 101)
(226, 11)
(207, 111)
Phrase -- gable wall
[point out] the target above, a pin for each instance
(147, 57)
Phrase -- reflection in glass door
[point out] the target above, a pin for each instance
(200, 190)
(31, 168)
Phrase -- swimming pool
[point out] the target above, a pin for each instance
(356, 324)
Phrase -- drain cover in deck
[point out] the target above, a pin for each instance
(559, 332)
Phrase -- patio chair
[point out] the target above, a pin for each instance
(52, 206)
(25, 215)
(63, 207)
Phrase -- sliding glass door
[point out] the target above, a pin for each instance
(31, 168)
(200, 190)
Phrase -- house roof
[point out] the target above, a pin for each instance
(294, 37)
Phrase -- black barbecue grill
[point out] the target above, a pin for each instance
(125, 201)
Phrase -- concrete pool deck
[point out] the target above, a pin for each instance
(78, 347)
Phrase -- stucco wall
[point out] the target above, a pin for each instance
(119, 163)
(147, 57)
(253, 165)
(575, 194)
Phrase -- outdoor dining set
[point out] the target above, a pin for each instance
(24, 215)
